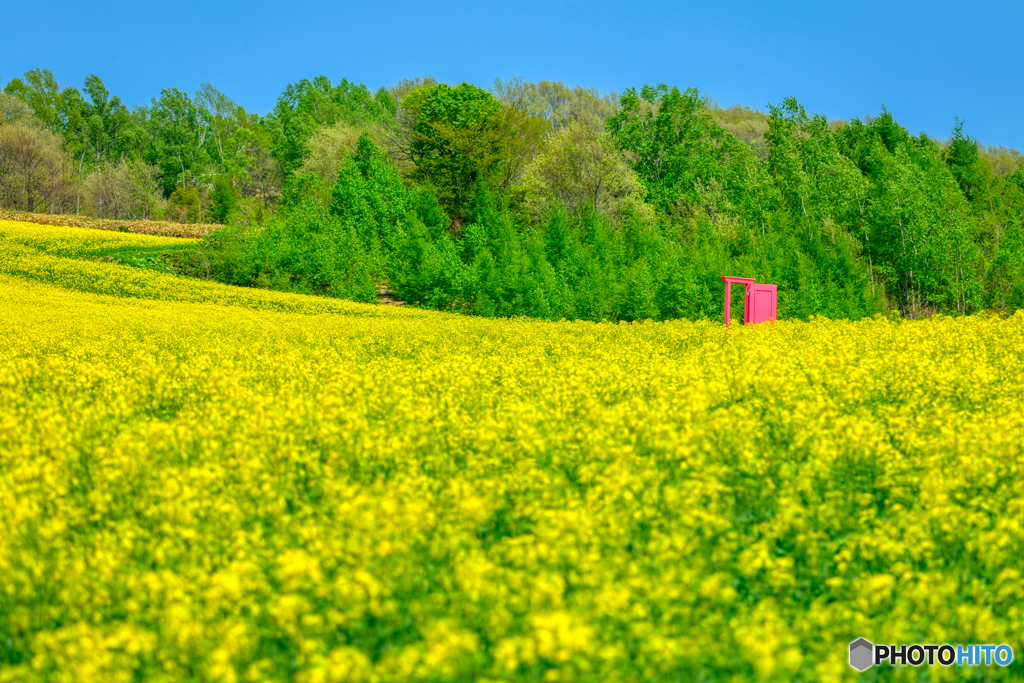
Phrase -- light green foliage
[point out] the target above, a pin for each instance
(450, 154)
(962, 156)
(35, 173)
(404, 87)
(236, 137)
(14, 110)
(126, 189)
(581, 169)
(189, 140)
(179, 132)
(816, 182)
(746, 124)
(328, 148)
(223, 200)
(93, 128)
(305, 106)
(102, 122)
(188, 205)
(337, 249)
(519, 136)
(556, 102)
(369, 195)
(1003, 160)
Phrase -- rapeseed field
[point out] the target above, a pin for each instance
(205, 483)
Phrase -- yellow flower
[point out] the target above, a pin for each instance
(236, 484)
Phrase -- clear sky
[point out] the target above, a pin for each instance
(925, 61)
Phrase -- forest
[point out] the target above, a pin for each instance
(534, 198)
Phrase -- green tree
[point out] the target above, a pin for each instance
(676, 148)
(100, 123)
(13, 110)
(816, 182)
(306, 106)
(222, 199)
(974, 176)
(236, 137)
(556, 102)
(920, 232)
(188, 205)
(747, 124)
(35, 173)
(369, 195)
(179, 132)
(125, 189)
(520, 136)
(456, 141)
(581, 169)
(55, 108)
(328, 148)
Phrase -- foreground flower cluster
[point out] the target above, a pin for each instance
(206, 483)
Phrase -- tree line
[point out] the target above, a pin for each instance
(535, 198)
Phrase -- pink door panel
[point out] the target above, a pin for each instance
(762, 303)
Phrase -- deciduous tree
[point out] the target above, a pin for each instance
(35, 173)
(179, 130)
(456, 141)
(581, 168)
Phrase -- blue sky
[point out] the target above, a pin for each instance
(926, 62)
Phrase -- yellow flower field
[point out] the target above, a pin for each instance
(204, 483)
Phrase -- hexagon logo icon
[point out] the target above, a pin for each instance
(861, 654)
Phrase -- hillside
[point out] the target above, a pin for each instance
(534, 198)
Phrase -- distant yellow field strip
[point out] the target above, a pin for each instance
(71, 241)
(46, 254)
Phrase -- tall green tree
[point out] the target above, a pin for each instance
(816, 182)
(677, 149)
(179, 131)
(581, 169)
(974, 176)
(920, 231)
(457, 141)
(55, 108)
(101, 124)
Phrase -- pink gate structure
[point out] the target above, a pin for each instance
(758, 302)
